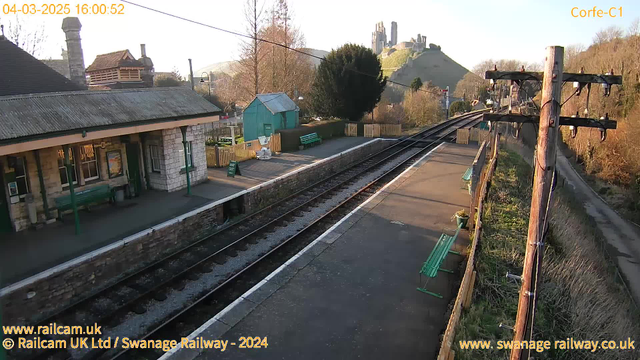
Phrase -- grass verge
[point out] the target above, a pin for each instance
(580, 296)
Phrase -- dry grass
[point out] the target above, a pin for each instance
(581, 296)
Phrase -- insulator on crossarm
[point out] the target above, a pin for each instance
(573, 130)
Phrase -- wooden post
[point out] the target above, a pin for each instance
(186, 146)
(70, 170)
(469, 294)
(452, 355)
(545, 161)
(191, 75)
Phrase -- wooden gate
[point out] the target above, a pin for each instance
(390, 129)
(371, 130)
(351, 129)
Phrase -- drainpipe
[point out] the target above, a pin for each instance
(43, 189)
(186, 161)
(72, 194)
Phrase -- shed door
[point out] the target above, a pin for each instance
(267, 130)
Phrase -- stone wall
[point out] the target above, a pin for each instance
(39, 296)
(157, 179)
(174, 157)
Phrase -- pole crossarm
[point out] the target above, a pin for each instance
(564, 120)
(566, 77)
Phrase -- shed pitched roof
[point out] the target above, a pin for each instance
(21, 73)
(277, 102)
(47, 115)
(116, 59)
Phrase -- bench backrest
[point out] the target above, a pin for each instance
(94, 192)
(467, 174)
(309, 137)
(439, 252)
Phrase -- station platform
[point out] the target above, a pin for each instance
(29, 252)
(352, 292)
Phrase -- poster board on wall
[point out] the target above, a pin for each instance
(114, 163)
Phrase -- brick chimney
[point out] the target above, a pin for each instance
(71, 27)
(148, 73)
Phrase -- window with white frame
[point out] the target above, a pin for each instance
(189, 156)
(64, 179)
(156, 156)
(21, 175)
(89, 162)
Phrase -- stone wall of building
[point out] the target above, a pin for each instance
(174, 157)
(56, 289)
(157, 178)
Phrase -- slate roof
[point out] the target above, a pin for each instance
(25, 117)
(113, 60)
(21, 73)
(277, 102)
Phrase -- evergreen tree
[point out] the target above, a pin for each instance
(348, 84)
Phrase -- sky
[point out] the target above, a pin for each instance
(468, 31)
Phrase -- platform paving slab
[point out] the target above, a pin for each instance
(29, 252)
(357, 298)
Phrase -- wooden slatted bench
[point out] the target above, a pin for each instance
(84, 197)
(310, 139)
(431, 267)
(466, 178)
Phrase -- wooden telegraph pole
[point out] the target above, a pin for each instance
(545, 163)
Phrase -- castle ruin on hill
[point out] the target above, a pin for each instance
(379, 40)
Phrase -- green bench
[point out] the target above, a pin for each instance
(466, 178)
(310, 139)
(431, 267)
(84, 197)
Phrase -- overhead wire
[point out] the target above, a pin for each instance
(269, 42)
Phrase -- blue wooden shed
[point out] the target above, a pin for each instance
(268, 113)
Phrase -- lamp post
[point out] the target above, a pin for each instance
(208, 80)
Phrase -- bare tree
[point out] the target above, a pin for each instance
(571, 53)
(608, 34)
(251, 53)
(29, 39)
(634, 28)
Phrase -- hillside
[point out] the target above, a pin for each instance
(612, 165)
(316, 52)
(430, 65)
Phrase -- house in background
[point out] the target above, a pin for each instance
(267, 113)
(56, 138)
(117, 70)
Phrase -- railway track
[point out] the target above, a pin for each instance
(158, 283)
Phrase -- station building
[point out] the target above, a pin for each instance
(130, 140)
